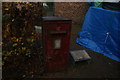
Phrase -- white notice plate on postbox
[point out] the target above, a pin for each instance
(57, 44)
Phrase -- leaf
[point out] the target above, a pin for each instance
(23, 48)
(1, 43)
(22, 43)
(8, 24)
(3, 63)
(17, 40)
(5, 58)
(15, 44)
(6, 9)
(13, 20)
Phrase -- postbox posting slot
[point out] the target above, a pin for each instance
(58, 32)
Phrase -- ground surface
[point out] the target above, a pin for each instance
(98, 67)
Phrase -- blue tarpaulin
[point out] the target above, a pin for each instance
(101, 32)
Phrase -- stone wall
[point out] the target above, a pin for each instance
(72, 10)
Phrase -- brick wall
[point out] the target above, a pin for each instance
(72, 10)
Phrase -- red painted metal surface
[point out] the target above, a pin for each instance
(56, 42)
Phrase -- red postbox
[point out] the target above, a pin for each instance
(56, 42)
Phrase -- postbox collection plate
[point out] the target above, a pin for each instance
(57, 44)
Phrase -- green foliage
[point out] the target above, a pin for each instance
(19, 38)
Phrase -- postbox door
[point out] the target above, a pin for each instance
(57, 42)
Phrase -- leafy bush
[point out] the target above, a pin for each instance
(20, 42)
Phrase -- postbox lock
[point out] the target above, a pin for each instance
(57, 44)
